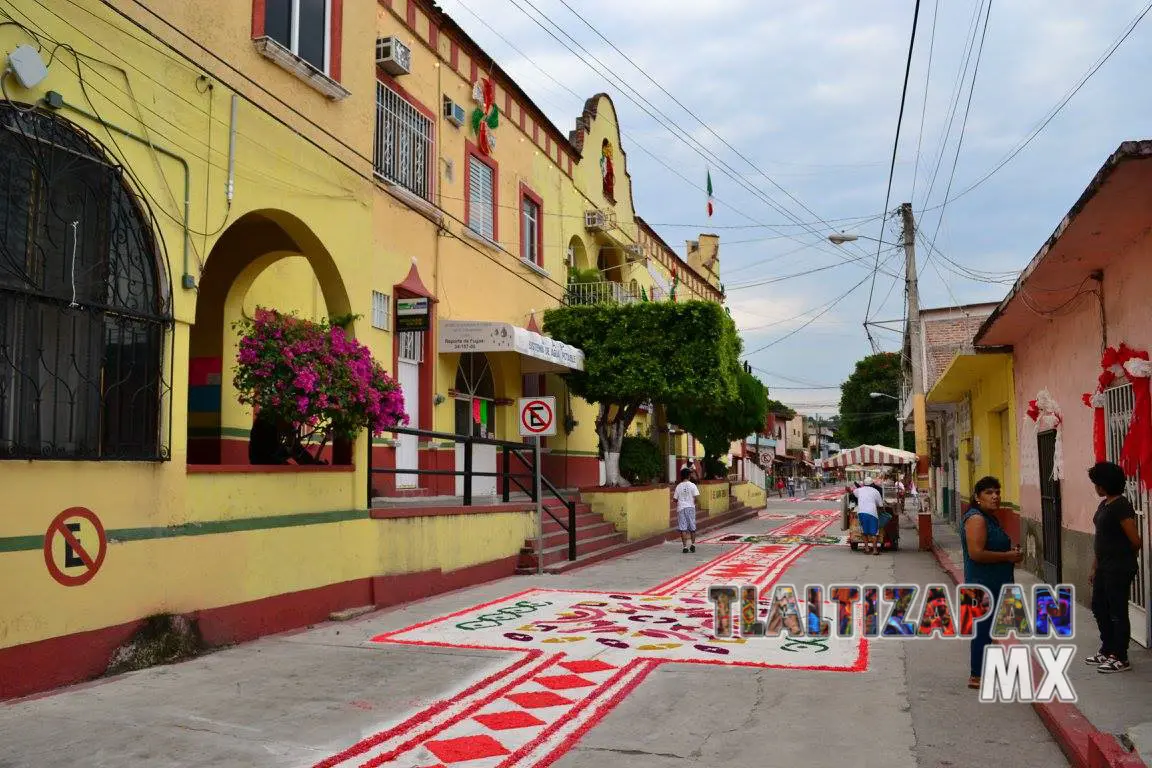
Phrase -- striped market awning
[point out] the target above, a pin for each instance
(869, 455)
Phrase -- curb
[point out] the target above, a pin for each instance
(1081, 742)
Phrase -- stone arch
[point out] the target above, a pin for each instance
(579, 254)
(217, 424)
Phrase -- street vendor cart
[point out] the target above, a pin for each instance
(880, 458)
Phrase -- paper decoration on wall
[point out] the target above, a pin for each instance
(1136, 453)
(607, 172)
(486, 117)
(1044, 413)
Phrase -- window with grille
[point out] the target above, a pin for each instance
(403, 150)
(530, 231)
(381, 309)
(481, 197)
(1119, 402)
(411, 347)
(84, 309)
(303, 27)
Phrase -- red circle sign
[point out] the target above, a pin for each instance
(74, 548)
(536, 416)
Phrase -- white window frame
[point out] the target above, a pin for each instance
(381, 311)
(294, 46)
(531, 244)
(473, 222)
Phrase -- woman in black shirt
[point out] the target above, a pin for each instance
(1113, 568)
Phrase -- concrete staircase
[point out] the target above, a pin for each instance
(598, 539)
(594, 535)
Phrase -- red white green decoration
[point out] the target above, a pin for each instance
(1045, 414)
(675, 284)
(1136, 453)
(486, 117)
(709, 194)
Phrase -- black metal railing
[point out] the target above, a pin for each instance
(523, 453)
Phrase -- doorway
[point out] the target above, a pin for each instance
(409, 357)
(1119, 402)
(1051, 515)
(476, 417)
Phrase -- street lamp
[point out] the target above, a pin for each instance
(840, 238)
(899, 414)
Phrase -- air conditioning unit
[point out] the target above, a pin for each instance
(393, 56)
(633, 253)
(595, 220)
(453, 112)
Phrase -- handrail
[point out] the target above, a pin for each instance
(508, 449)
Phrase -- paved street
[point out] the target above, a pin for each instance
(611, 664)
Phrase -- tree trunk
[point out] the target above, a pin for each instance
(610, 432)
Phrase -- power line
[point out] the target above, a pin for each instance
(1054, 112)
(924, 105)
(694, 116)
(892, 167)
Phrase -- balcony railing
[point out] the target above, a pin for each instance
(600, 293)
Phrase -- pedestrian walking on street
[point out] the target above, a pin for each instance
(1113, 568)
(686, 494)
(780, 487)
(868, 503)
(989, 560)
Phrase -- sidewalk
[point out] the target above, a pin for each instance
(1120, 705)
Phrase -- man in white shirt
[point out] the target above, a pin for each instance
(868, 503)
(685, 495)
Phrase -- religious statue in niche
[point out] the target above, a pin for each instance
(486, 117)
(607, 172)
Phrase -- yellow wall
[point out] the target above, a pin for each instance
(992, 401)
(751, 494)
(638, 512)
(713, 497)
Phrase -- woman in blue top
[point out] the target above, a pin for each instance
(989, 560)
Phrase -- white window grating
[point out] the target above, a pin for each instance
(403, 147)
(411, 347)
(481, 198)
(1119, 403)
(381, 310)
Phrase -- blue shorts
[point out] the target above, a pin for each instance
(686, 519)
(869, 525)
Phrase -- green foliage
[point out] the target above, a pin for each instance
(777, 407)
(641, 460)
(659, 351)
(589, 275)
(865, 419)
(717, 423)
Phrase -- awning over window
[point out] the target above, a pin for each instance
(539, 353)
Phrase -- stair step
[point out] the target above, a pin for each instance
(582, 521)
(559, 552)
(559, 536)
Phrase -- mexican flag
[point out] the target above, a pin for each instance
(709, 194)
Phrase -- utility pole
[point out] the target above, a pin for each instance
(916, 349)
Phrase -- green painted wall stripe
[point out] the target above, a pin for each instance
(21, 543)
(210, 527)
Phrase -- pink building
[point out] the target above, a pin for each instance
(1089, 288)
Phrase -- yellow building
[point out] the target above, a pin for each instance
(981, 388)
(178, 167)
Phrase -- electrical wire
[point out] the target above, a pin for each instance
(892, 167)
(924, 105)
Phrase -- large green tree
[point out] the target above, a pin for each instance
(717, 423)
(667, 353)
(865, 419)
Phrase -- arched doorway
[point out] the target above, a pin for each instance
(475, 393)
(85, 302)
(270, 258)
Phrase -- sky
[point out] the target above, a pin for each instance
(792, 108)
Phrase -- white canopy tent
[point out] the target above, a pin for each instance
(869, 455)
